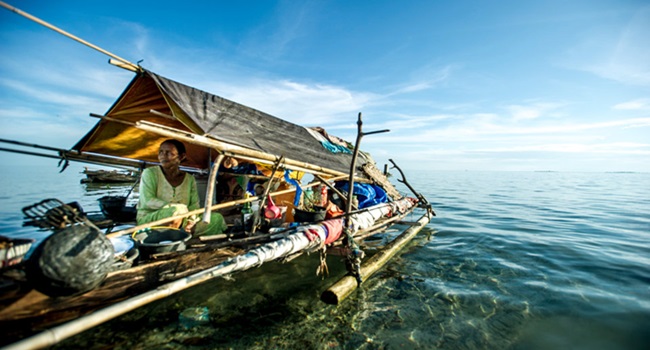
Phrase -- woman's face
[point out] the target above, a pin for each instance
(168, 155)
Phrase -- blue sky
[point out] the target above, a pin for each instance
(463, 85)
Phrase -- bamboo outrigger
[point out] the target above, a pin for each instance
(153, 108)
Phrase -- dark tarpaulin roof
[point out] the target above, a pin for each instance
(201, 113)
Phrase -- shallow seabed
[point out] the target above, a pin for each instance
(519, 260)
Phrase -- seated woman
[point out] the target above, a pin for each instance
(166, 191)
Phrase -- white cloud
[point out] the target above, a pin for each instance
(609, 148)
(471, 130)
(531, 111)
(638, 104)
(301, 103)
(629, 59)
(426, 78)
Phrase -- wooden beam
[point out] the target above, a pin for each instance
(226, 147)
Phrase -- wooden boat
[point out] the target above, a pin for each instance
(110, 176)
(153, 108)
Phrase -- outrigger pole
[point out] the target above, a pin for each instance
(122, 63)
(355, 253)
(65, 155)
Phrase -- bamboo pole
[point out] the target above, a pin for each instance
(29, 153)
(210, 192)
(235, 152)
(104, 160)
(334, 189)
(33, 145)
(346, 285)
(76, 156)
(122, 65)
(161, 114)
(291, 167)
(126, 64)
(370, 231)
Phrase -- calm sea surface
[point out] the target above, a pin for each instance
(520, 260)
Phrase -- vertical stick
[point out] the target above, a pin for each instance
(276, 166)
(210, 192)
(355, 154)
(356, 254)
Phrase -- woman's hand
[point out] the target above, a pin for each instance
(190, 227)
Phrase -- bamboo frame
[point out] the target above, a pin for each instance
(221, 146)
(225, 147)
(214, 207)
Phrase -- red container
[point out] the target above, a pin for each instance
(323, 196)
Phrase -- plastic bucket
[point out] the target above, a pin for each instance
(114, 208)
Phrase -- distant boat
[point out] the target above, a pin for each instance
(110, 176)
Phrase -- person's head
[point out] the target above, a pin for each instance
(171, 152)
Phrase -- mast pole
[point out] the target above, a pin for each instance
(125, 63)
(355, 254)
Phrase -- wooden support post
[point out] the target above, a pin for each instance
(260, 210)
(212, 179)
(356, 254)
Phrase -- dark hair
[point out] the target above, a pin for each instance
(180, 147)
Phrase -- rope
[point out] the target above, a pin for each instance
(322, 269)
(355, 255)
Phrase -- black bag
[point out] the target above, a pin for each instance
(71, 261)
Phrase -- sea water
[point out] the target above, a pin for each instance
(519, 260)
